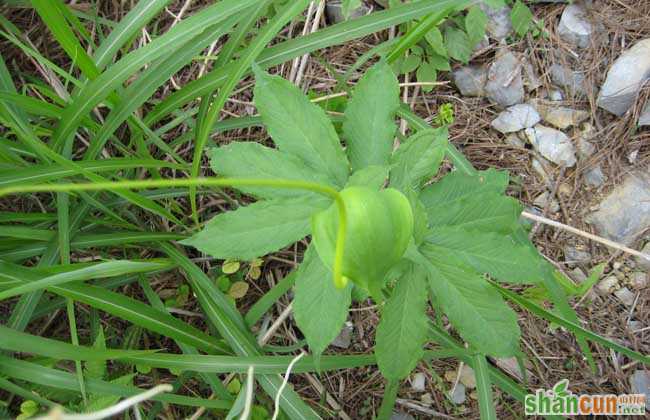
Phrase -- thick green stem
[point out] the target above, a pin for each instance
(339, 280)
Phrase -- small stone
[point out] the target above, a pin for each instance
(640, 384)
(427, 399)
(542, 201)
(516, 118)
(574, 255)
(344, 339)
(578, 275)
(418, 382)
(511, 365)
(625, 295)
(470, 80)
(555, 95)
(514, 140)
(562, 117)
(639, 280)
(499, 24)
(584, 148)
(633, 156)
(594, 177)
(531, 79)
(575, 27)
(467, 377)
(539, 168)
(457, 395)
(625, 79)
(334, 11)
(607, 285)
(635, 325)
(572, 81)
(644, 263)
(625, 212)
(505, 86)
(554, 145)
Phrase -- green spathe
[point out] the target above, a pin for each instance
(379, 228)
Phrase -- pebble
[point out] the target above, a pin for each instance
(574, 255)
(555, 95)
(516, 118)
(505, 86)
(562, 117)
(467, 377)
(418, 382)
(513, 140)
(575, 27)
(643, 263)
(607, 285)
(457, 395)
(554, 145)
(625, 212)
(531, 79)
(625, 79)
(470, 80)
(584, 147)
(625, 295)
(640, 384)
(499, 24)
(399, 415)
(344, 339)
(542, 201)
(572, 81)
(639, 280)
(594, 177)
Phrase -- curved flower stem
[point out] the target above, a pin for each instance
(339, 280)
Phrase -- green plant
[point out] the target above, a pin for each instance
(95, 133)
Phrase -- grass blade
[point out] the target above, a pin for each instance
(484, 387)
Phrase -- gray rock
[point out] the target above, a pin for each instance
(575, 27)
(639, 280)
(554, 145)
(643, 263)
(334, 11)
(344, 339)
(625, 295)
(516, 118)
(499, 24)
(555, 95)
(457, 395)
(578, 275)
(573, 81)
(562, 117)
(505, 86)
(542, 201)
(585, 148)
(470, 80)
(625, 79)
(595, 177)
(625, 212)
(640, 384)
(531, 79)
(607, 285)
(574, 255)
(418, 382)
(513, 140)
(644, 119)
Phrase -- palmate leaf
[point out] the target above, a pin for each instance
(403, 328)
(252, 160)
(473, 306)
(486, 252)
(369, 125)
(258, 229)
(320, 308)
(418, 159)
(300, 127)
